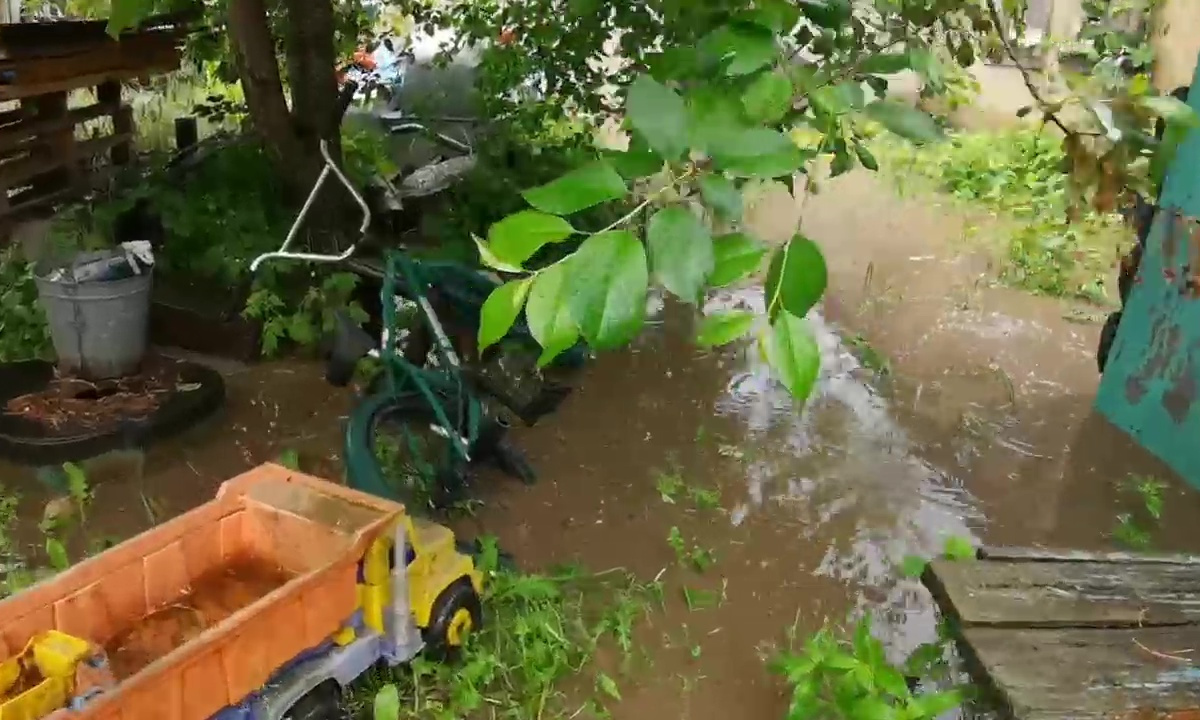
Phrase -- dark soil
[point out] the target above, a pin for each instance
(71, 403)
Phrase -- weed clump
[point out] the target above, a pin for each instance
(541, 638)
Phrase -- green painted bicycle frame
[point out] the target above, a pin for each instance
(443, 389)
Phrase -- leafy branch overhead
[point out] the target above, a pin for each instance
(703, 121)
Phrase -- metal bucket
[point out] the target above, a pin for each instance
(99, 328)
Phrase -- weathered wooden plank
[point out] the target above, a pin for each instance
(13, 174)
(132, 55)
(16, 92)
(15, 135)
(48, 39)
(1084, 673)
(1037, 554)
(1067, 594)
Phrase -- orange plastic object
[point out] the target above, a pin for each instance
(310, 532)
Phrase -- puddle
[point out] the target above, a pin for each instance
(211, 599)
(982, 428)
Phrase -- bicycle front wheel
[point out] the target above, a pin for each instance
(395, 448)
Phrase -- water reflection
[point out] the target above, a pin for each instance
(847, 474)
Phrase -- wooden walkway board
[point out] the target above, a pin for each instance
(1078, 635)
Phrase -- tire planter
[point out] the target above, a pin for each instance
(199, 391)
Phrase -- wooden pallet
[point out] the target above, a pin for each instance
(42, 161)
(1082, 636)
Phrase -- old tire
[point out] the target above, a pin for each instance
(456, 613)
(321, 703)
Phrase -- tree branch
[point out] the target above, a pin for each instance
(998, 25)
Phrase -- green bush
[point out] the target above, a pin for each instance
(23, 331)
(1018, 175)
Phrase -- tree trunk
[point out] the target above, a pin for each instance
(1175, 37)
(254, 50)
(293, 137)
(310, 67)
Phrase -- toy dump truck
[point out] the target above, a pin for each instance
(261, 604)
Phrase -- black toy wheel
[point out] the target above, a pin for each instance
(321, 703)
(456, 613)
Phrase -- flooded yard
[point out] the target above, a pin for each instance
(945, 408)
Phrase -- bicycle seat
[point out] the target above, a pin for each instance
(435, 177)
(350, 343)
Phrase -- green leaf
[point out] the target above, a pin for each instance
(387, 703)
(768, 98)
(548, 312)
(488, 258)
(778, 16)
(724, 328)
(500, 311)
(722, 196)
(517, 237)
(712, 117)
(865, 157)
(126, 14)
(839, 99)
(290, 459)
(1171, 109)
(742, 47)
(843, 161)
(796, 277)
(735, 256)
(826, 13)
(608, 686)
(681, 251)
(792, 353)
(636, 162)
(579, 189)
(891, 681)
(959, 548)
(609, 279)
(673, 63)
(755, 152)
(57, 552)
(873, 708)
(886, 63)
(913, 566)
(934, 705)
(659, 114)
(907, 122)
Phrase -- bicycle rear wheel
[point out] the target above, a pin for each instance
(396, 449)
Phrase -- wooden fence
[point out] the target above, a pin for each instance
(50, 149)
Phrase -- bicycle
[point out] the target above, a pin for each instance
(425, 393)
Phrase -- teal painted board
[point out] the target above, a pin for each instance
(1151, 384)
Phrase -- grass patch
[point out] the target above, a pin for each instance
(538, 655)
(1017, 176)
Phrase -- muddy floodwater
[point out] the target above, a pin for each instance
(945, 407)
(209, 600)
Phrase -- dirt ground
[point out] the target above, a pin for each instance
(982, 427)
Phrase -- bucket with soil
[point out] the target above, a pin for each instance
(98, 310)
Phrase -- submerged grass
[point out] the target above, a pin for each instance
(1017, 176)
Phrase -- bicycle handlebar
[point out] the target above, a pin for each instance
(283, 252)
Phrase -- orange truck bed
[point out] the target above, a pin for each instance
(199, 612)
